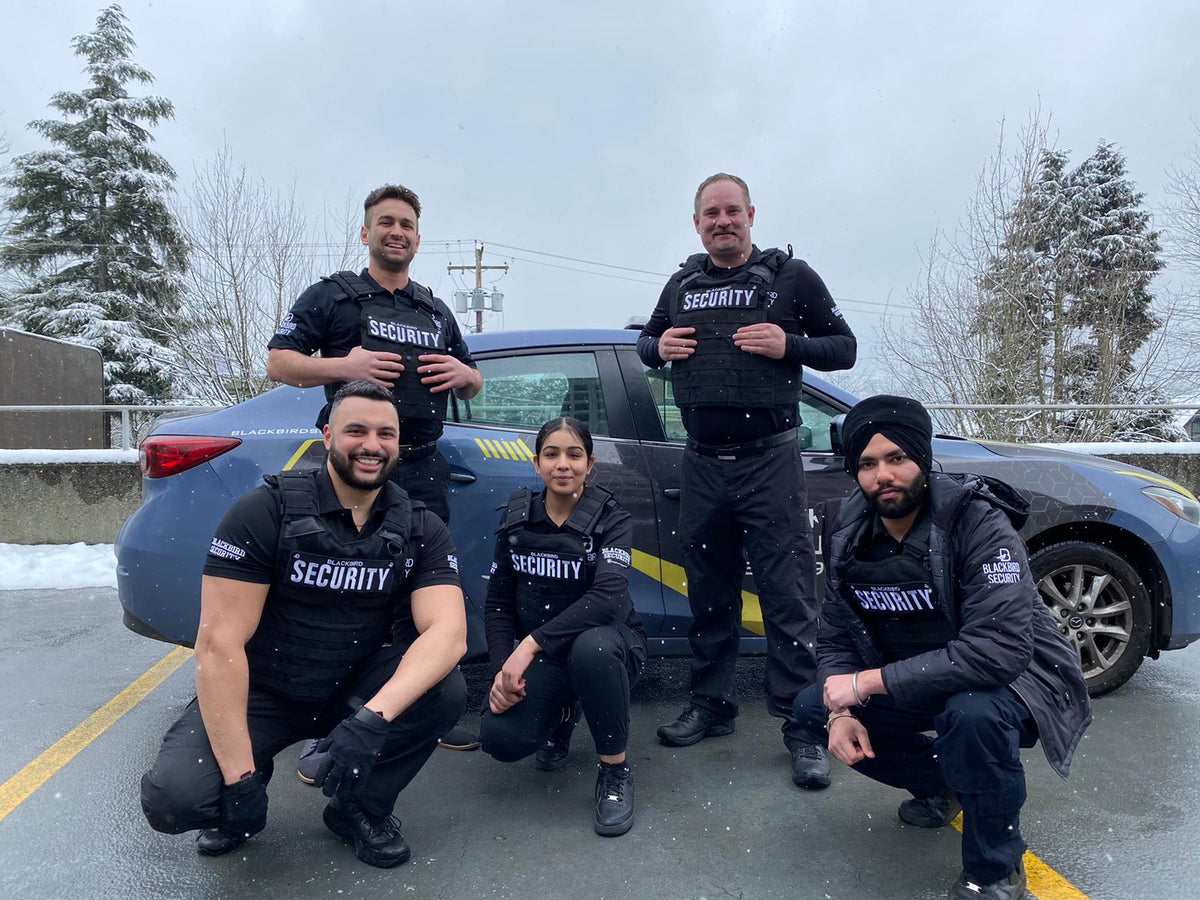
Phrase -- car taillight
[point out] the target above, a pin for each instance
(161, 455)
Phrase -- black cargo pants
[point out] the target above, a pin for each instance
(757, 503)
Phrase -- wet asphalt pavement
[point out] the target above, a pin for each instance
(717, 820)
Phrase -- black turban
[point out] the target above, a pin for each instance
(902, 421)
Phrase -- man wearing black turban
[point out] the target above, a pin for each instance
(931, 622)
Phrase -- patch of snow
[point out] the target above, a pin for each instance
(1164, 448)
(57, 566)
(16, 457)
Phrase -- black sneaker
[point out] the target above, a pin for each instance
(935, 811)
(692, 725)
(377, 842)
(552, 755)
(459, 738)
(310, 761)
(614, 799)
(810, 766)
(1010, 888)
(215, 842)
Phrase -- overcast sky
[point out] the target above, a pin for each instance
(583, 131)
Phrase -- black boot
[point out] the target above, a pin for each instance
(693, 724)
(552, 755)
(810, 766)
(935, 811)
(1010, 888)
(377, 841)
(614, 799)
(215, 842)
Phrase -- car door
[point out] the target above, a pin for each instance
(490, 445)
(663, 439)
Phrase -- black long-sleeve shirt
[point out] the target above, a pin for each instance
(817, 337)
(605, 601)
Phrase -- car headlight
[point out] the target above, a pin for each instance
(1182, 505)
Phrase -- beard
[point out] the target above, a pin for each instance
(344, 466)
(898, 507)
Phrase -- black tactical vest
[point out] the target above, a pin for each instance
(894, 597)
(410, 329)
(553, 570)
(331, 603)
(718, 373)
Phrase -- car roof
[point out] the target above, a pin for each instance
(530, 339)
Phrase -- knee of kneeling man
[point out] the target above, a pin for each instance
(169, 805)
(502, 744)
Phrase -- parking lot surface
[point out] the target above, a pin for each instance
(717, 820)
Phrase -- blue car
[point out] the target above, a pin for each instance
(1113, 547)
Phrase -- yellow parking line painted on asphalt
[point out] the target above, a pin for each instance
(299, 453)
(14, 791)
(1043, 882)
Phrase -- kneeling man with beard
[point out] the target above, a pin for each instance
(330, 605)
(932, 623)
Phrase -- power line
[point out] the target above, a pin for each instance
(590, 262)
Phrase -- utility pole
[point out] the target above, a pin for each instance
(478, 268)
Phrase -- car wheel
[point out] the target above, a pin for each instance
(1100, 605)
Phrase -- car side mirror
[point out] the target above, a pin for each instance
(804, 436)
(835, 435)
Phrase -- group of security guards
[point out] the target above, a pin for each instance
(367, 670)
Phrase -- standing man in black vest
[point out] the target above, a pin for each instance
(383, 327)
(737, 325)
(330, 605)
(932, 622)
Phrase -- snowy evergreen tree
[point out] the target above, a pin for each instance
(1043, 297)
(92, 233)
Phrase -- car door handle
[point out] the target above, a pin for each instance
(462, 477)
(671, 493)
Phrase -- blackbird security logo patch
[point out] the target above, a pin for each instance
(1005, 569)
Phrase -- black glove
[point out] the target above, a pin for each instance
(244, 806)
(351, 750)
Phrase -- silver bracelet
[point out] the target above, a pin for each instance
(854, 687)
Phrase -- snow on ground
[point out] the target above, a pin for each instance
(17, 457)
(51, 566)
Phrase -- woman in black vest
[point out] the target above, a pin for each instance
(559, 592)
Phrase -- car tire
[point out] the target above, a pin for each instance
(1100, 605)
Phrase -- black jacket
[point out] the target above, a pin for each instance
(1005, 634)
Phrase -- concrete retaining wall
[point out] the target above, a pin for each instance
(60, 503)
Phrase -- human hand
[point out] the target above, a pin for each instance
(371, 365)
(848, 740)
(443, 372)
(675, 344)
(500, 700)
(512, 675)
(838, 693)
(351, 750)
(763, 339)
(244, 807)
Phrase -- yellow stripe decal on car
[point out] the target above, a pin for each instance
(1165, 482)
(299, 453)
(513, 451)
(672, 575)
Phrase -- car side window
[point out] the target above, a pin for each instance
(526, 391)
(815, 413)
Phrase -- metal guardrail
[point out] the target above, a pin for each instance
(112, 408)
